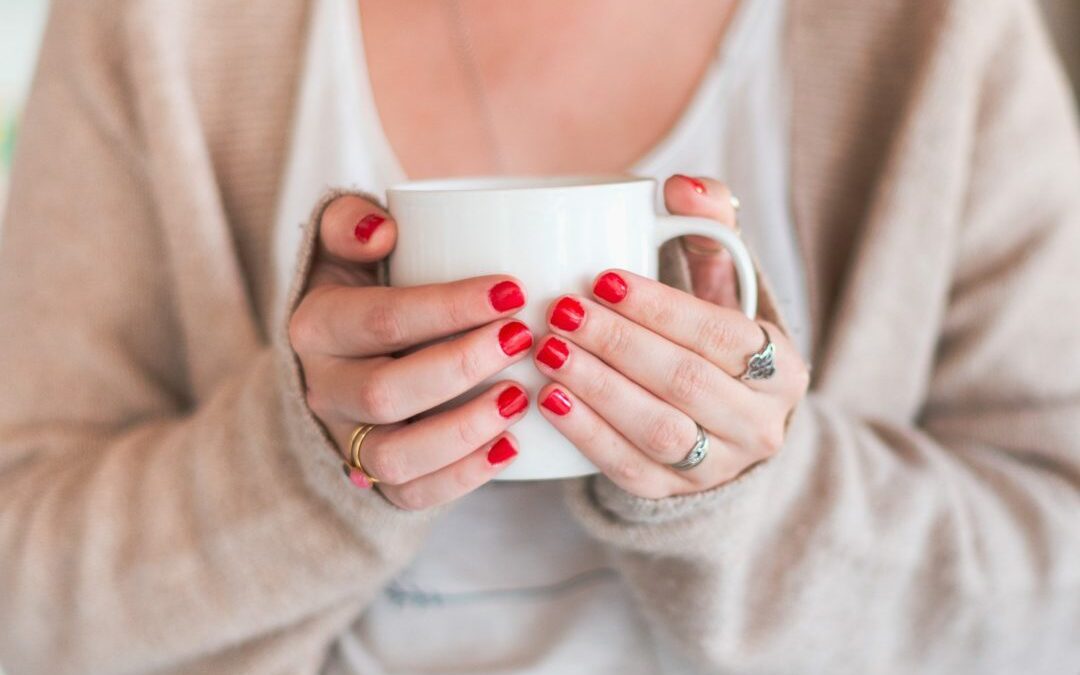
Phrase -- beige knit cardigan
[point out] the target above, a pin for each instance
(169, 505)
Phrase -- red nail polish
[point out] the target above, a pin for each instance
(367, 226)
(568, 314)
(505, 296)
(500, 452)
(512, 401)
(553, 354)
(356, 477)
(698, 186)
(557, 402)
(610, 287)
(515, 338)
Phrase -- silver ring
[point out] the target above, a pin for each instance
(762, 365)
(697, 453)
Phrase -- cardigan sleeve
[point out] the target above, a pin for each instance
(141, 530)
(949, 544)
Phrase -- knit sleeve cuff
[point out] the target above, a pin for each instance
(624, 520)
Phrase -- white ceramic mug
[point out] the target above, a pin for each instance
(555, 235)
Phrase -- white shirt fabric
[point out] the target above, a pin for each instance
(507, 582)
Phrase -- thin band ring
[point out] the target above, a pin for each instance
(697, 454)
(356, 441)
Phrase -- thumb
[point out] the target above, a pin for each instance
(355, 229)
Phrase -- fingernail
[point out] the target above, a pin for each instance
(568, 314)
(356, 477)
(698, 186)
(515, 338)
(500, 452)
(367, 226)
(610, 287)
(505, 296)
(557, 402)
(553, 354)
(512, 401)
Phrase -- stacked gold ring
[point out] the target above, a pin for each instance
(356, 441)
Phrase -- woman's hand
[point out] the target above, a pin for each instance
(635, 369)
(347, 331)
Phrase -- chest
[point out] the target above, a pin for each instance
(478, 87)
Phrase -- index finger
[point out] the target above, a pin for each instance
(357, 321)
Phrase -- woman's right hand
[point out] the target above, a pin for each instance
(347, 331)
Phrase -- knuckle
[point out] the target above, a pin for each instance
(375, 398)
(689, 381)
(597, 388)
(385, 463)
(411, 498)
(470, 364)
(462, 478)
(653, 489)
(629, 471)
(715, 334)
(456, 310)
(301, 330)
(656, 311)
(616, 339)
(385, 326)
(667, 435)
(469, 431)
(802, 380)
(770, 438)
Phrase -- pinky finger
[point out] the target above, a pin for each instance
(617, 458)
(454, 480)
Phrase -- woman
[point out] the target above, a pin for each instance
(172, 420)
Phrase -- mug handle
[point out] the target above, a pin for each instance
(669, 227)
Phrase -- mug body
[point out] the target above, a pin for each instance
(555, 235)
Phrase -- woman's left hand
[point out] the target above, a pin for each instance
(637, 369)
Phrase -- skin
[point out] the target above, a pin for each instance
(629, 414)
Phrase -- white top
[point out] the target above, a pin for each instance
(507, 582)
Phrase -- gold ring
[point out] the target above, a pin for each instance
(355, 442)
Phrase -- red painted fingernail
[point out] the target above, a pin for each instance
(610, 287)
(512, 401)
(515, 338)
(500, 452)
(356, 477)
(553, 354)
(698, 186)
(505, 296)
(367, 226)
(557, 402)
(568, 314)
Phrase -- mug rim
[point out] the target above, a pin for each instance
(494, 184)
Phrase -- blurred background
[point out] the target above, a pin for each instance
(21, 22)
